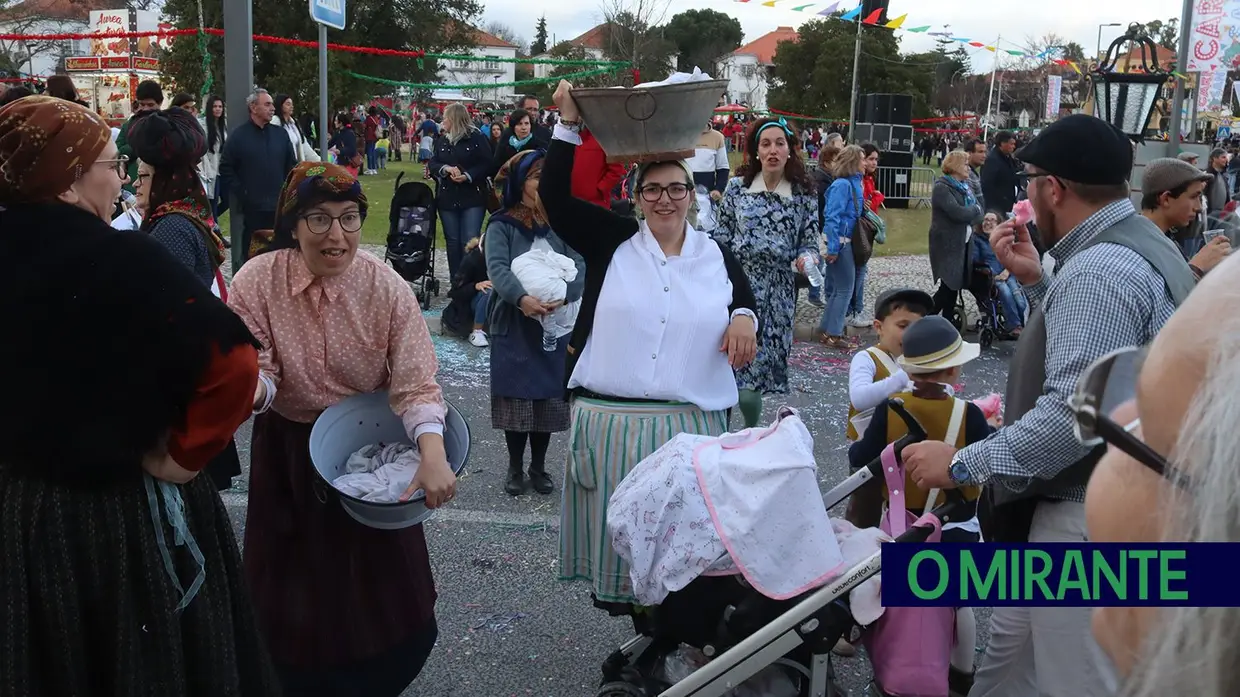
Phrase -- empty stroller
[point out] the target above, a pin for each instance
(411, 237)
(744, 633)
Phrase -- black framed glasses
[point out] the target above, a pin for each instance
(675, 192)
(320, 223)
(119, 164)
(1107, 383)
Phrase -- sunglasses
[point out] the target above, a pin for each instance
(1103, 386)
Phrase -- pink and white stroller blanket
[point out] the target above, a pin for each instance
(745, 503)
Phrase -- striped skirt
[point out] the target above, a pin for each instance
(606, 441)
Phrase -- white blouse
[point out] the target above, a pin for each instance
(659, 325)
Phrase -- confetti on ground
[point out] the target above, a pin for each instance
(498, 622)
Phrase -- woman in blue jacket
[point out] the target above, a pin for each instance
(461, 164)
(843, 208)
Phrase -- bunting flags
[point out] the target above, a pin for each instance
(873, 18)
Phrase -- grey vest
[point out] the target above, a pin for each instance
(1027, 371)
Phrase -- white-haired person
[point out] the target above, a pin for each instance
(1172, 455)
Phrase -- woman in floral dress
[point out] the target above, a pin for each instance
(768, 218)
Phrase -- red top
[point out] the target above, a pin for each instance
(223, 401)
(873, 197)
(593, 177)
(371, 129)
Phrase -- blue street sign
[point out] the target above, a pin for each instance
(328, 12)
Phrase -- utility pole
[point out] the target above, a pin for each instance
(1181, 67)
(238, 59)
(852, 99)
(991, 98)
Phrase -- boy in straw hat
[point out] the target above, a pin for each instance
(934, 354)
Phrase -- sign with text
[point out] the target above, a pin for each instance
(1054, 90)
(1212, 43)
(328, 13)
(1060, 574)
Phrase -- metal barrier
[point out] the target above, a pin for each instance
(912, 184)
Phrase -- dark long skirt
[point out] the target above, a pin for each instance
(331, 594)
(86, 607)
(223, 467)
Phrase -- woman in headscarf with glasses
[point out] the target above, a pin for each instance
(346, 609)
(527, 379)
(124, 376)
(169, 145)
(769, 218)
(666, 316)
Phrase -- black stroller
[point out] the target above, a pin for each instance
(989, 325)
(411, 237)
(743, 632)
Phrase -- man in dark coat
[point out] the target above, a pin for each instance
(1000, 178)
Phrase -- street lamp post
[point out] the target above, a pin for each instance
(1098, 50)
(1127, 100)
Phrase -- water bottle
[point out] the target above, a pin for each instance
(808, 262)
(549, 340)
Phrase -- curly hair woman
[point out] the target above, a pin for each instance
(768, 217)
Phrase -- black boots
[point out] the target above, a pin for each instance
(515, 484)
(540, 480)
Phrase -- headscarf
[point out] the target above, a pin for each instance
(172, 142)
(46, 144)
(511, 181)
(309, 184)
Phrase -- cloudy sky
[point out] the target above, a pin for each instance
(984, 20)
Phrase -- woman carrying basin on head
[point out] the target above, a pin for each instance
(346, 609)
(666, 317)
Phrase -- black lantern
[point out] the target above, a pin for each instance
(1126, 100)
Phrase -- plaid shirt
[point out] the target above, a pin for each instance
(1105, 298)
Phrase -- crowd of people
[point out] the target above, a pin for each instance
(122, 573)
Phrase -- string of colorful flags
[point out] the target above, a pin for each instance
(873, 19)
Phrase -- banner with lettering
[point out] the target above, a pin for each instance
(1210, 91)
(1054, 88)
(1214, 31)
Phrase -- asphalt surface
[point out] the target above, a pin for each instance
(508, 627)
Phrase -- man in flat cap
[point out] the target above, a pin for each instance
(1116, 281)
(1171, 197)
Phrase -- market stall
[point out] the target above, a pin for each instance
(108, 78)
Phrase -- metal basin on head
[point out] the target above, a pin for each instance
(649, 124)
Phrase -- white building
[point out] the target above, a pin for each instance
(592, 42)
(747, 69)
(484, 73)
(43, 58)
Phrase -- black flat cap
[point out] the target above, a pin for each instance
(1083, 149)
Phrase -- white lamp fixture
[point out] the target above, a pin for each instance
(1126, 100)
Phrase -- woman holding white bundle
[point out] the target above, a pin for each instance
(527, 370)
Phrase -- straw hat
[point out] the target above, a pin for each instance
(932, 344)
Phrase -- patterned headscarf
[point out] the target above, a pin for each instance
(172, 142)
(511, 181)
(309, 184)
(46, 144)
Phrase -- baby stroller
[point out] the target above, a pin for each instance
(742, 632)
(989, 325)
(411, 237)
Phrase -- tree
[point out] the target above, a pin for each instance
(507, 33)
(539, 46)
(813, 75)
(633, 34)
(702, 38)
(432, 26)
(1164, 33)
(568, 51)
(26, 18)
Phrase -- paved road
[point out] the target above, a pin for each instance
(508, 628)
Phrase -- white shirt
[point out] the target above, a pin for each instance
(863, 391)
(659, 325)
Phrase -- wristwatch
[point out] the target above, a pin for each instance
(958, 472)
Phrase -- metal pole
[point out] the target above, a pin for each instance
(852, 99)
(323, 118)
(991, 97)
(238, 59)
(1181, 65)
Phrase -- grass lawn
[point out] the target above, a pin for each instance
(907, 230)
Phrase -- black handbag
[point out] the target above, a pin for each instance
(864, 232)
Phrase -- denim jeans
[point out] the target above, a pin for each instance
(856, 306)
(381, 156)
(480, 303)
(841, 277)
(371, 160)
(459, 227)
(1012, 298)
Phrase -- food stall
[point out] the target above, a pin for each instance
(108, 78)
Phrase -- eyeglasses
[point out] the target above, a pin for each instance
(675, 192)
(321, 223)
(119, 164)
(1103, 386)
